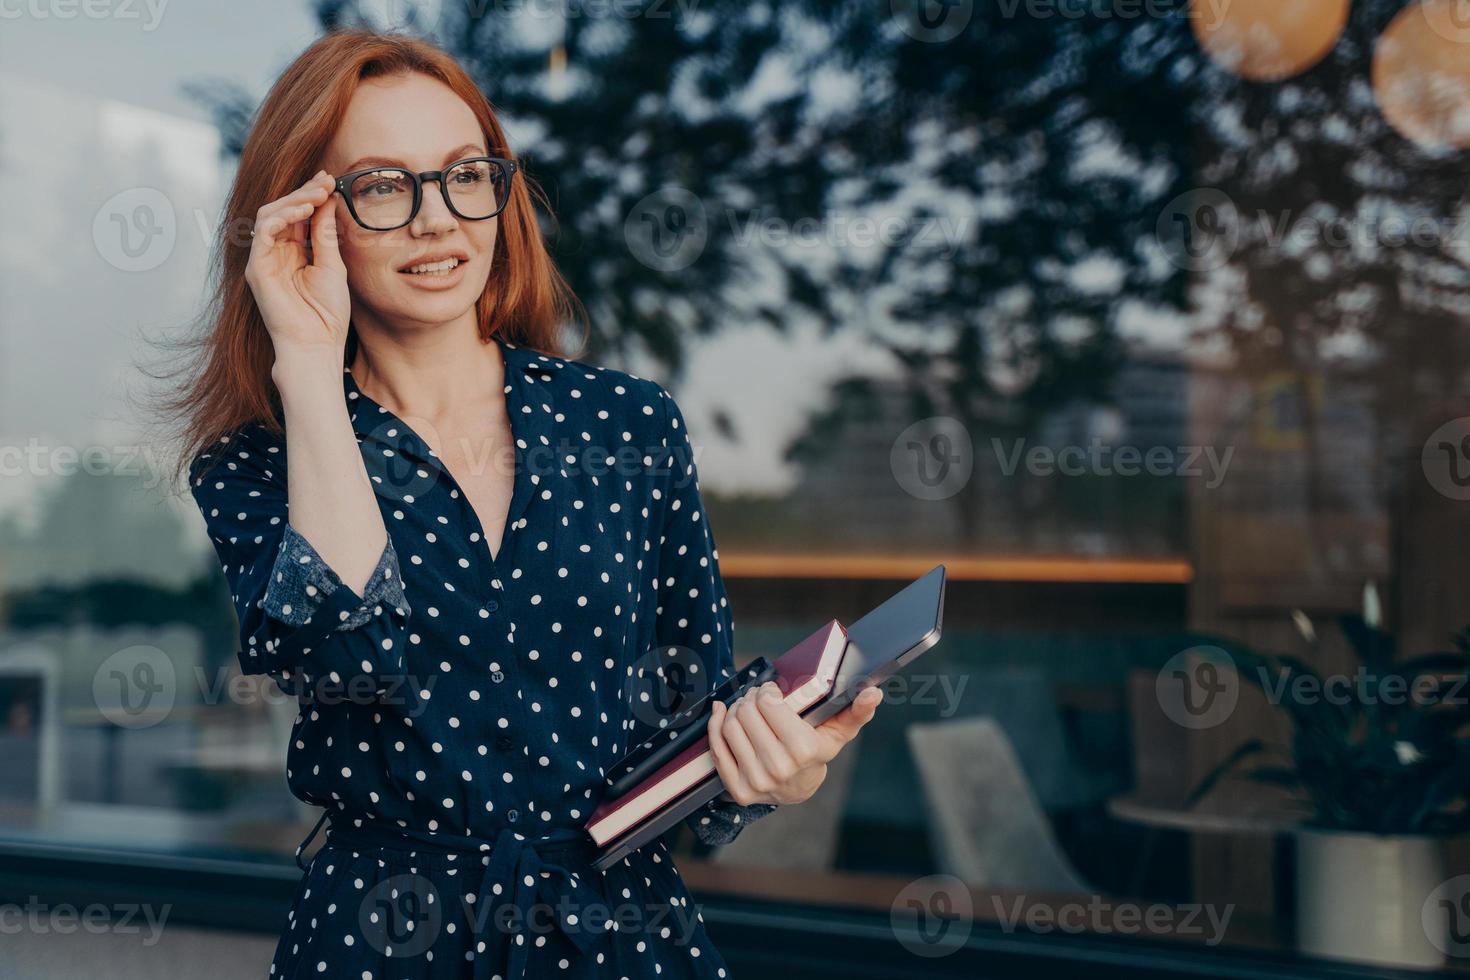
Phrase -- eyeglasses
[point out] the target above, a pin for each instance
(385, 198)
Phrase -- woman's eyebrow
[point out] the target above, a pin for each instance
(458, 152)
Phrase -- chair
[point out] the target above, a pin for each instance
(986, 825)
(804, 836)
(1023, 703)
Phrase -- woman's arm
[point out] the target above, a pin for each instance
(311, 567)
(693, 610)
(302, 619)
(331, 498)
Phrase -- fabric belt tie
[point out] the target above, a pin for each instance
(516, 864)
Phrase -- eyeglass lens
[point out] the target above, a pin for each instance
(384, 198)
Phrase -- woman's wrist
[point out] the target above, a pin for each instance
(309, 364)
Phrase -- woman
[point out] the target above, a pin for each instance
(460, 549)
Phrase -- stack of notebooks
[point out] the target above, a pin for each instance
(661, 781)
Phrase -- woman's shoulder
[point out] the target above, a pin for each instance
(581, 387)
(253, 446)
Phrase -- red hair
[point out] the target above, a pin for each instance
(526, 300)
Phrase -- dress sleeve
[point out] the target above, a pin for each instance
(298, 621)
(693, 610)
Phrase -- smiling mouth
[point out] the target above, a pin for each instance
(432, 269)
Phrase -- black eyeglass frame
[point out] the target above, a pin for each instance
(344, 182)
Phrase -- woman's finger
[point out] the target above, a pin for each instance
(774, 756)
(844, 726)
(725, 763)
(752, 770)
(324, 252)
(798, 737)
(277, 216)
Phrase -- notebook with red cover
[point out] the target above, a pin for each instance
(886, 640)
(805, 674)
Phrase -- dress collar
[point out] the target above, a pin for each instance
(530, 401)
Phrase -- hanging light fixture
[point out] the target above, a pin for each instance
(1267, 40)
(1421, 74)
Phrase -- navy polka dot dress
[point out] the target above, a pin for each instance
(459, 717)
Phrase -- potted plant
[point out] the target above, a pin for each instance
(1380, 764)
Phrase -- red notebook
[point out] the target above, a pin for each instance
(806, 675)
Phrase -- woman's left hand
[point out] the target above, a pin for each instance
(766, 753)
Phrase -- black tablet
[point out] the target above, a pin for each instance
(878, 646)
(885, 640)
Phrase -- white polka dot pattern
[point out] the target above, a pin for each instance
(462, 694)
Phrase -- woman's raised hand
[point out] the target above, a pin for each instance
(305, 304)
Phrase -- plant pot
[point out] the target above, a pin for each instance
(1361, 897)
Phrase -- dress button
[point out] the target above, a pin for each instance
(512, 815)
(497, 676)
(491, 605)
(504, 742)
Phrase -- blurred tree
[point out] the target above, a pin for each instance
(1031, 157)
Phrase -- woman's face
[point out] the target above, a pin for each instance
(415, 122)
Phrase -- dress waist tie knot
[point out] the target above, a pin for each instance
(548, 871)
